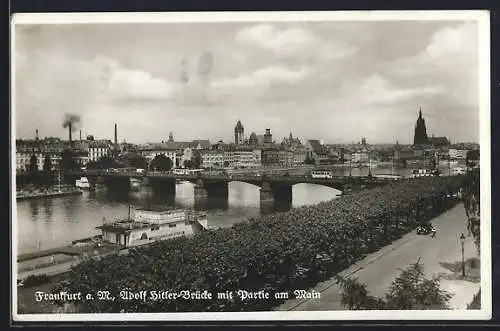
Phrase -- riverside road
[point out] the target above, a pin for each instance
(379, 269)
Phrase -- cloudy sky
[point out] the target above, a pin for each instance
(336, 81)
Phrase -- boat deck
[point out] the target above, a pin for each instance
(76, 250)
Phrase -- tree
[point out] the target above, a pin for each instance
(33, 169)
(188, 164)
(47, 170)
(68, 160)
(161, 163)
(134, 160)
(197, 161)
(471, 200)
(411, 290)
(472, 158)
(34, 173)
(309, 160)
(104, 162)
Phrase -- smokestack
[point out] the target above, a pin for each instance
(69, 129)
(116, 135)
(36, 132)
(80, 135)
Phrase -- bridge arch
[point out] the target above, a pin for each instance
(253, 184)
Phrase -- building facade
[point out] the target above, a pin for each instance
(231, 158)
(457, 154)
(271, 157)
(40, 149)
(97, 149)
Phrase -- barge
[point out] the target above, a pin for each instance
(20, 195)
(146, 225)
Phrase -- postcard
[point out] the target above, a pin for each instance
(246, 166)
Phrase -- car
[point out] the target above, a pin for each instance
(425, 228)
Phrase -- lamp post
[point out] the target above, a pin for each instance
(350, 172)
(369, 164)
(462, 242)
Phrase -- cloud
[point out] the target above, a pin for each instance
(334, 80)
(291, 41)
(378, 90)
(451, 60)
(265, 77)
(139, 84)
(364, 95)
(268, 37)
(459, 44)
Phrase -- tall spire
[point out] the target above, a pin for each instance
(420, 137)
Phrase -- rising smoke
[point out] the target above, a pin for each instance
(72, 121)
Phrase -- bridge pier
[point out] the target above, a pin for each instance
(277, 197)
(121, 184)
(93, 183)
(161, 186)
(211, 194)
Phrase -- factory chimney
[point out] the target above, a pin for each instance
(80, 135)
(36, 132)
(69, 130)
(116, 135)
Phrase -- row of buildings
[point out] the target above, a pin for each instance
(256, 151)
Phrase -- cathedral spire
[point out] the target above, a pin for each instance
(420, 137)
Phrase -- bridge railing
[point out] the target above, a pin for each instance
(229, 176)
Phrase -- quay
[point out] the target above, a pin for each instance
(22, 195)
(143, 227)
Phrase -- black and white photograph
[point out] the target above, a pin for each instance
(251, 166)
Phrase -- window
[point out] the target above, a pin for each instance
(172, 225)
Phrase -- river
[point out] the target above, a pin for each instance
(52, 222)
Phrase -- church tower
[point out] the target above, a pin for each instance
(239, 133)
(420, 137)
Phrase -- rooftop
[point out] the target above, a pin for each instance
(124, 226)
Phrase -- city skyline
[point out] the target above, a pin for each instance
(260, 73)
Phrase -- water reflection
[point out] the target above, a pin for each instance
(33, 204)
(58, 221)
(47, 209)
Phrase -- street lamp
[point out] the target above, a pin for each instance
(462, 242)
(369, 165)
(350, 172)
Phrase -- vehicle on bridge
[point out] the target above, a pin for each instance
(388, 176)
(425, 173)
(184, 171)
(325, 174)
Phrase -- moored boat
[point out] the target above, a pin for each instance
(82, 183)
(147, 225)
(135, 184)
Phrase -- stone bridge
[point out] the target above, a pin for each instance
(274, 188)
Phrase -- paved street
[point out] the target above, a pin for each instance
(379, 269)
